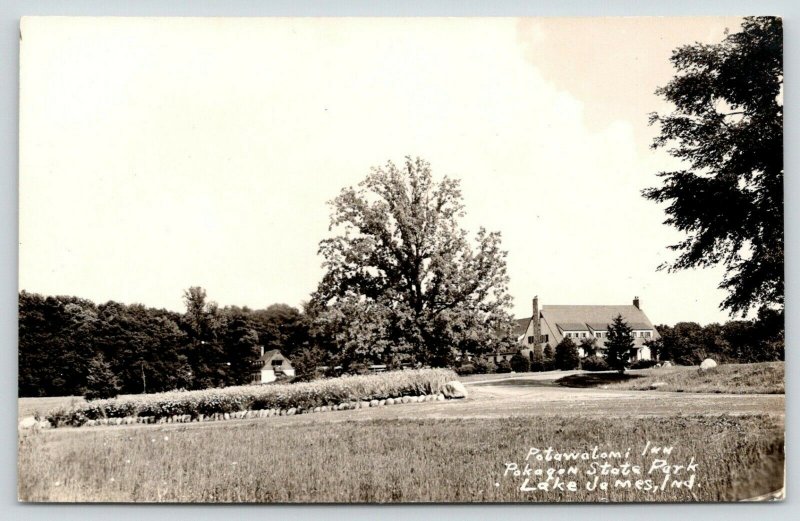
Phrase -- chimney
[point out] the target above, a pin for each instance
(636, 302)
(537, 327)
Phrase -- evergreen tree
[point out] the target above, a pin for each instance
(619, 344)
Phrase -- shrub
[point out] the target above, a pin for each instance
(520, 363)
(358, 368)
(567, 357)
(504, 367)
(465, 370)
(483, 366)
(305, 395)
(643, 364)
(594, 363)
(549, 358)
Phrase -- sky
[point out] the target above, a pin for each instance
(159, 154)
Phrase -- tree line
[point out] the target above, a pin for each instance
(736, 341)
(72, 346)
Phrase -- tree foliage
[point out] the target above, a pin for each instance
(737, 341)
(402, 279)
(619, 344)
(520, 363)
(727, 128)
(567, 357)
(589, 346)
(101, 382)
(72, 346)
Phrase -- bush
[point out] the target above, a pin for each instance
(549, 358)
(306, 395)
(504, 367)
(520, 363)
(594, 363)
(643, 364)
(567, 357)
(465, 370)
(483, 366)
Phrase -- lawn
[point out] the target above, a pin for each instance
(763, 378)
(317, 458)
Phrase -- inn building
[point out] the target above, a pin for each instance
(549, 324)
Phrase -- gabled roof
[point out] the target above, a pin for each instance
(595, 318)
(520, 326)
(269, 354)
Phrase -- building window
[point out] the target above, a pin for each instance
(647, 334)
(598, 335)
(530, 339)
(583, 335)
(544, 338)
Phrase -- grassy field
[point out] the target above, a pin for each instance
(763, 378)
(40, 406)
(314, 459)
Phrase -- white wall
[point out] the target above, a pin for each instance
(268, 375)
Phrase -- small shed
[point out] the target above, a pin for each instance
(272, 364)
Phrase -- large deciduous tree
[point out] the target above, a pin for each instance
(727, 127)
(403, 279)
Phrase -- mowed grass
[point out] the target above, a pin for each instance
(300, 459)
(762, 378)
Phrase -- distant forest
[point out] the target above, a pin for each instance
(72, 346)
(736, 341)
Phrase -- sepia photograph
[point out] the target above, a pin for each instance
(401, 260)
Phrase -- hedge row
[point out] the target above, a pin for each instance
(301, 396)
